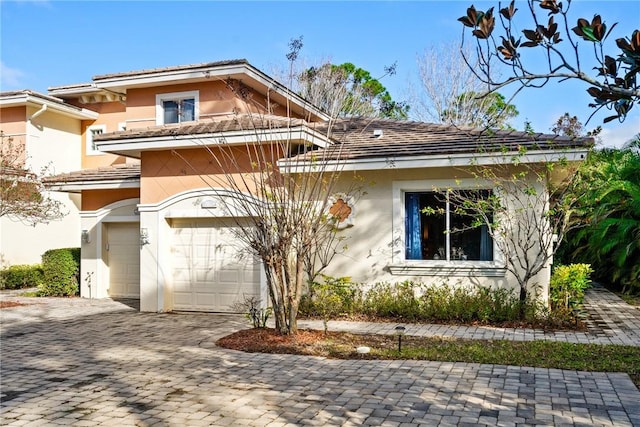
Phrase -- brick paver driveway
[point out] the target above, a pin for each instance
(81, 362)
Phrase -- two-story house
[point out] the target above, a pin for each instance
(150, 227)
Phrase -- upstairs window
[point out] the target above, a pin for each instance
(177, 107)
(436, 230)
(91, 147)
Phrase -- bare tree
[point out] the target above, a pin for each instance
(280, 199)
(23, 197)
(615, 85)
(449, 92)
(527, 212)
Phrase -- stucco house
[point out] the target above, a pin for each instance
(148, 219)
(49, 132)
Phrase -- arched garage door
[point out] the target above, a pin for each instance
(211, 270)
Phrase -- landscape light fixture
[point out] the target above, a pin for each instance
(144, 236)
(400, 332)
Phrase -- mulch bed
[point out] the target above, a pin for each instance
(9, 304)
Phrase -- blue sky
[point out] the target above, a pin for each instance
(52, 43)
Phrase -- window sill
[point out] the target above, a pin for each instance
(447, 269)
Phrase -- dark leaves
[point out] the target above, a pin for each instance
(534, 38)
(609, 67)
(508, 48)
(551, 5)
(471, 20)
(594, 32)
(482, 22)
(537, 36)
(508, 12)
(630, 47)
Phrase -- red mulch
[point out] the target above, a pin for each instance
(9, 304)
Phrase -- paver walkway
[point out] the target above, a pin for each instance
(611, 321)
(100, 362)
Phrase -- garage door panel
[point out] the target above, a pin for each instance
(124, 259)
(212, 271)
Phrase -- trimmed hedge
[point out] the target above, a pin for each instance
(61, 268)
(21, 276)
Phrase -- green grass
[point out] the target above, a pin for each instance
(630, 299)
(542, 354)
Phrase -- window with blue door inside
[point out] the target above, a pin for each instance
(436, 230)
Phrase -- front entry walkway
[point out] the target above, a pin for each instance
(99, 362)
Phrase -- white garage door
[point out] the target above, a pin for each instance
(123, 255)
(211, 269)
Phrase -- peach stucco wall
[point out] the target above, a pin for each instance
(216, 100)
(96, 199)
(13, 124)
(166, 173)
(111, 114)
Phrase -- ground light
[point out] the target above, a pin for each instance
(400, 332)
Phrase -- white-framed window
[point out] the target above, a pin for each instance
(438, 228)
(177, 107)
(431, 238)
(92, 131)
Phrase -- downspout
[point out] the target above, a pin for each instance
(37, 113)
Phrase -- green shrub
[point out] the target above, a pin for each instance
(416, 302)
(61, 268)
(567, 286)
(20, 276)
(330, 298)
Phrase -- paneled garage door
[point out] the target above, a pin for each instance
(123, 255)
(211, 271)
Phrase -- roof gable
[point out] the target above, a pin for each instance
(115, 85)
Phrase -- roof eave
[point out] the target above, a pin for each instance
(65, 110)
(132, 147)
(109, 184)
(434, 161)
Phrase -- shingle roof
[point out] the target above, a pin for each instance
(407, 139)
(236, 123)
(398, 138)
(355, 139)
(169, 69)
(121, 172)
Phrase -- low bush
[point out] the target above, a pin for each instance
(567, 286)
(20, 276)
(330, 298)
(61, 268)
(412, 301)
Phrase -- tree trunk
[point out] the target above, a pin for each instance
(523, 300)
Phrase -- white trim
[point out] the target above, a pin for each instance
(59, 107)
(88, 135)
(101, 213)
(98, 217)
(146, 119)
(190, 194)
(133, 146)
(437, 160)
(453, 268)
(122, 126)
(401, 265)
(92, 185)
(177, 96)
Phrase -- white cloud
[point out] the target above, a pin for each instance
(618, 133)
(10, 78)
